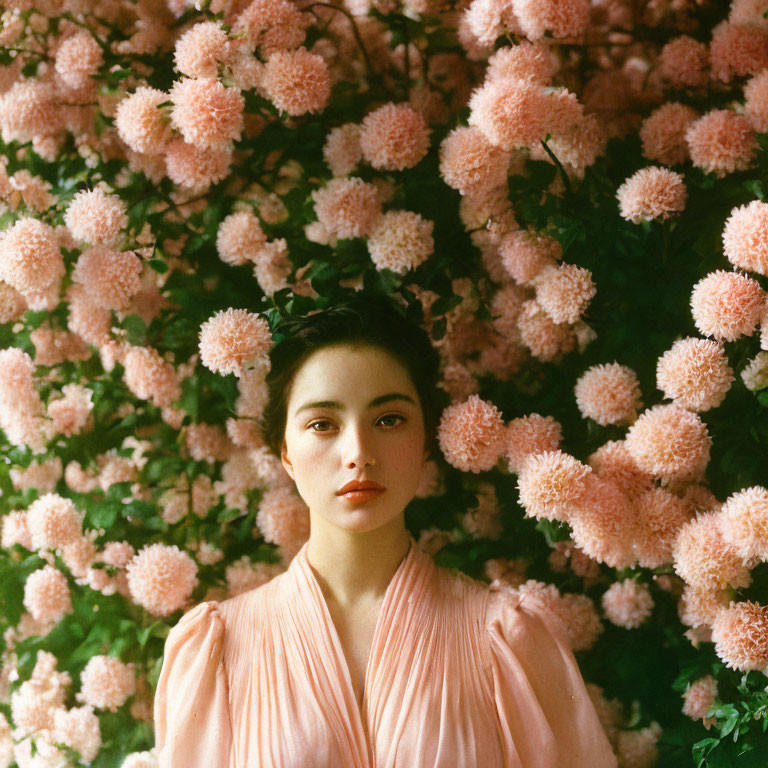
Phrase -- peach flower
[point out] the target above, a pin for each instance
(745, 237)
(721, 142)
(669, 441)
(471, 435)
(609, 393)
(695, 373)
(394, 137)
(652, 193)
(727, 305)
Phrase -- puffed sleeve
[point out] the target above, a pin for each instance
(546, 717)
(192, 719)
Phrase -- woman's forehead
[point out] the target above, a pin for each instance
(347, 373)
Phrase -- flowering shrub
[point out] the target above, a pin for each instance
(569, 197)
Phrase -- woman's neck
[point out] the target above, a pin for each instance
(355, 568)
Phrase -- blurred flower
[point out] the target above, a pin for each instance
(106, 682)
(401, 241)
(721, 142)
(161, 578)
(627, 603)
(347, 207)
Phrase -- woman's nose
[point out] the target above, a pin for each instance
(357, 446)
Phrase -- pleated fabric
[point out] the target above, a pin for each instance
(459, 676)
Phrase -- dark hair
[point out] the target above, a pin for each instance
(362, 319)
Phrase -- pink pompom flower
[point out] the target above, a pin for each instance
(563, 18)
(756, 101)
(548, 341)
(525, 61)
(727, 305)
(347, 207)
(652, 193)
(627, 603)
(738, 50)
(106, 682)
(401, 241)
(682, 62)
(297, 82)
(471, 435)
(745, 237)
(740, 634)
(669, 441)
(30, 257)
(612, 461)
(564, 292)
(46, 595)
(201, 49)
(699, 697)
(609, 393)
(603, 524)
(703, 557)
(240, 238)
(551, 484)
(744, 523)
(721, 142)
(161, 578)
(663, 133)
(470, 163)
(511, 113)
(659, 516)
(394, 137)
(341, 150)
(53, 522)
(695, 373)
(206, 113)
(77, 58)
(196, 169)
(111, 278)
(234, 340)
(531, 434)
(283, 519)
(141, 124)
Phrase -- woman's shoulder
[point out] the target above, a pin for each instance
(524, 624)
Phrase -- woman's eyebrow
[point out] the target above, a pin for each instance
(339, 407)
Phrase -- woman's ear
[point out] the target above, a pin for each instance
(286, 461)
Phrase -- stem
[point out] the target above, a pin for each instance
(566, 180)
(355, 30)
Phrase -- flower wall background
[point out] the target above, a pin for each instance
(567, 195)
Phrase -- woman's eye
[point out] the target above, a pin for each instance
(392, 416)
(387, 416)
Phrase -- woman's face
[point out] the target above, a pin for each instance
(326, 446)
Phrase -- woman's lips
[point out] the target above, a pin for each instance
(360, 496)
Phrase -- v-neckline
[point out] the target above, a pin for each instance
(361, 709)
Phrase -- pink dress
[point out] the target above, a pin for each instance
(459, 676)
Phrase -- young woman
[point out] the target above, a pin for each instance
(364, 653)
